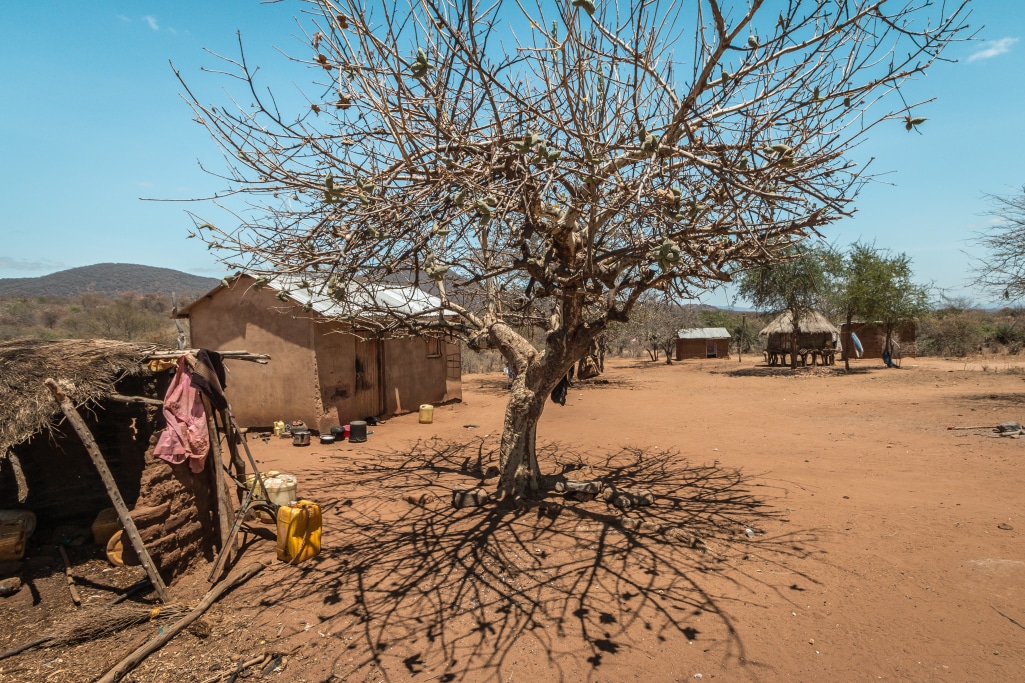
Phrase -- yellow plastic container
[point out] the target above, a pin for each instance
(426, 414)
(299, 528)
(279, 428)
(107, 524)
(12, 540)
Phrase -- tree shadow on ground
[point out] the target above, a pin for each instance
(499, 385)
(407, 584)
(786, 371)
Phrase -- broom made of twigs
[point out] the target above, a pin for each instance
(98, 623)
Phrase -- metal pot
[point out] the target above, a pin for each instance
(300, 437)
(327, 438)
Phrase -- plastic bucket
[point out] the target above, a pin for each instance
(259, 493)
(281, 489)
(426, 414)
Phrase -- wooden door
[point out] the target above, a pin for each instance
(368, 391)
(710, 350)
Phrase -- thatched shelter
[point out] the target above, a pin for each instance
(45, 468)
(815, 333)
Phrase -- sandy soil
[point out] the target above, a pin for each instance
(885, 545)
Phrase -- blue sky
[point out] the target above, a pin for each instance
(91, 121)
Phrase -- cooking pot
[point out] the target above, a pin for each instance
(300, 437)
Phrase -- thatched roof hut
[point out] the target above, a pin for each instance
(89, 370)
(811, 322)
(45, 468)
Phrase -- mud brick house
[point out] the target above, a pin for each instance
(702, 342)
(329, 367)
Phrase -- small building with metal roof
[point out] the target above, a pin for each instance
(332, 359)
(702, 342)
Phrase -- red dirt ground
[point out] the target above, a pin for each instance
(885, 546)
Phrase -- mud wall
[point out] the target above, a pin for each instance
(241, 317)
(873, 336)
(697, 348)
(415, 372)
(179, 524)
(337, 377)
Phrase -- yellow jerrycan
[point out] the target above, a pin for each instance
(299, 528)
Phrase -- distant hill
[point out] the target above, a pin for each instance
(110, 279)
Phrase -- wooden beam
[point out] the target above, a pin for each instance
(261, 358)
(136, 399)
(108, 482)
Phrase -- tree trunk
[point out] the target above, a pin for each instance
(519, 472)
(847, 343)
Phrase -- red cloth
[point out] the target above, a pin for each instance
(186, 436)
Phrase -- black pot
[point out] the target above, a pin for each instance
(338, 432)
(357, 431)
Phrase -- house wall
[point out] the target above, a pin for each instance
(413, 377)
(697, 348)
(873, 335)
(287, 388)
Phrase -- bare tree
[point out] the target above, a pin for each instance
(548, 164)
(1002, 269)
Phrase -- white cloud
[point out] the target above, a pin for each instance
(152, 21)
(124, 18)
(172, 31)
(992, 48)
(21, 264)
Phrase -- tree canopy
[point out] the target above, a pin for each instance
(548, 164)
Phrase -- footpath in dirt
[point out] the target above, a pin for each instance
(808, 525)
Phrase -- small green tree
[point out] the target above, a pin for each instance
(797, 284)
(873, 285)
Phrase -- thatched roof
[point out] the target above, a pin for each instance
(87, 369)
(811, 322)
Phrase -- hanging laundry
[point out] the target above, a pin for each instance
(208, 377)
(186, 436)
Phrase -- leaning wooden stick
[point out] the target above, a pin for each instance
(166, 634)
(108, 482)
(75, 597)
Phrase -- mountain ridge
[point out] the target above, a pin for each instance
(110, 279)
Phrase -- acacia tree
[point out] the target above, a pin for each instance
(851, 294)
(548, 164)
(797, 281)
(874, 285)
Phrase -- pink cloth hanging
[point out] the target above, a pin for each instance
(186, 436)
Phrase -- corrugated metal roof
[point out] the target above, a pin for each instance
(703, 333)
(360, 301)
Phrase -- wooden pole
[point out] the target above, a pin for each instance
(168, 632)
(224, 514)
(108, 482)
(238, 465)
